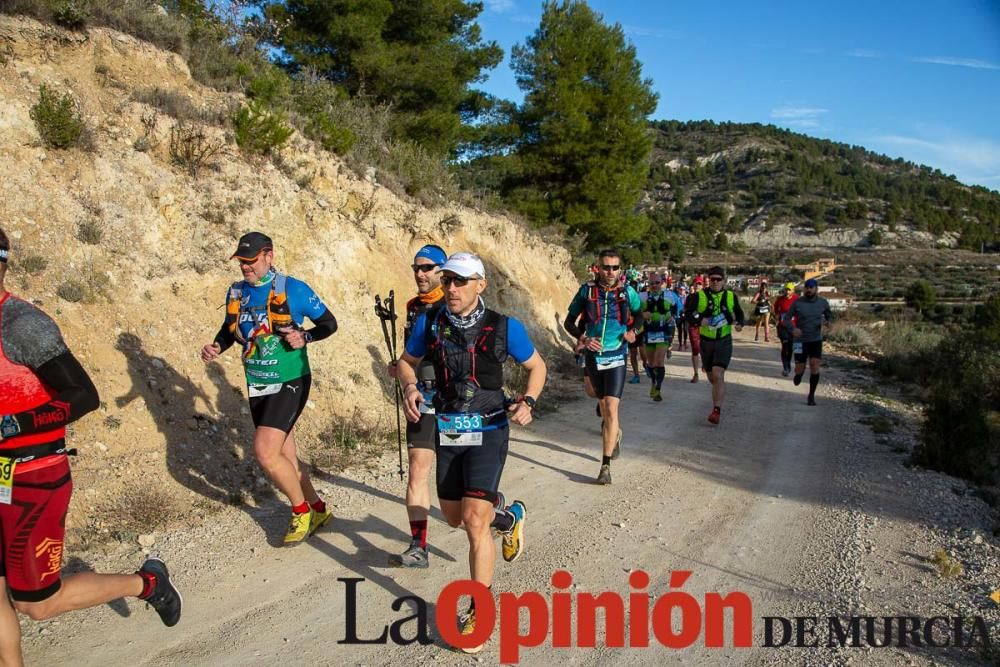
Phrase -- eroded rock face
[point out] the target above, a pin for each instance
(156, 280)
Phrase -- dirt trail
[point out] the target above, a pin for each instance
(769, 503)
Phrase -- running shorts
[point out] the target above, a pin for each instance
(695, 335)
(282, 409)
(803, 351)
(32, 529)
(472, 471)
(423, 434)
(716, 352)
(608, 381)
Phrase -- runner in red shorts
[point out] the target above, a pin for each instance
(693, 324)
(42, 389)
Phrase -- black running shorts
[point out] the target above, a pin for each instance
(282, 409)
(423, 434)
(472, 472)
(609, 381)
(803, 351)
(716, 352)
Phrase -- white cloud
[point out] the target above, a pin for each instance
(805, 123)
(864, 53)
(500, 6)
(958, 62)
(971, 160)
(797, 113)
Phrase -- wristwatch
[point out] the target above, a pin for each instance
(529, 401)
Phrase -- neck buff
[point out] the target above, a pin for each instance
(469, 320)
(268, 277)
(433, 296)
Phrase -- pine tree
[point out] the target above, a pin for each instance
(584, 148)
(419, 56)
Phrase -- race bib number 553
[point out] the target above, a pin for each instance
(460, 430)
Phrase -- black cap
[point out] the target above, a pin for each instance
(251, 245)
(717, 271)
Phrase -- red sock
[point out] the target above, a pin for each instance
(318, 506)
(418, 531)
(301, 508)
(148, 584)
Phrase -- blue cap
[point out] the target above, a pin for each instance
(433, 253)
(811, 283)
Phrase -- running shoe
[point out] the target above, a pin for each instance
(604, 477)
(319, 519)
(513, 540)
(468, 623)
(797, 380)
(618, 446)
(657, 396)
(164, 598)
(635, 380)
(694, 378)
(298, 528)
(414, 556)
(715, 416)
(811, 401)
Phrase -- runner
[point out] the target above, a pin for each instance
(420, 436)
(692, 316)
(718, 308)
(637, 350)
(682, 324)
(676, 308)
(659, 313)
(781, 306)
(467, 343)
(609, 310)
(806, 317)
(264, 313)
(762, 310)
(42, 389)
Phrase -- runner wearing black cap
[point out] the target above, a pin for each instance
(717, 309)
(421, 435)
(264, 313)
(806, 318)
(43, 388)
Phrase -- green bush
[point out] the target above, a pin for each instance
(89, 232)
(71, 291)
(908, 351)
(33, 264)
(57, 118)
(259, 130)
(848, 335)
(191, 148)
(72, 14)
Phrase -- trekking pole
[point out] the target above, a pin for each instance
(386, 312)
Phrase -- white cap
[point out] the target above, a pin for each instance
(465, 264)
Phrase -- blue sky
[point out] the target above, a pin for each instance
(917, 79)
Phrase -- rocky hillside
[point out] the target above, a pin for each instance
(764, 187)
(128, 251)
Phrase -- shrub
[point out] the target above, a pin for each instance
(856, 335)
(57, 118)
(191, 148)
(33, 264)
(72, 14)
(258, 130)
(908, 351)
(71, 291)
(89, 232)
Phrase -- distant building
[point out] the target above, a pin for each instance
(838, 300)
(753, 282)
(818, 268)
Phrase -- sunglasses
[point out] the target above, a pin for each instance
(611, 267)
(715, 279)
(423, 268)
(248, 262)
(457, 280)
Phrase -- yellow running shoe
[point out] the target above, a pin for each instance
(319, 519)
(468, 622)
(298, 528)
(513, 540)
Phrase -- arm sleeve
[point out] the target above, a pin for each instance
(75, 396)
(416, 346)
(326, 325)
(224, 338)
(519, 344)
(571, 325)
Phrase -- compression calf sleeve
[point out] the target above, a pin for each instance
(813, 381)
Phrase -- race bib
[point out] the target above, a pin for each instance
(257, 390)
(460, 430)
(718, 322)
(607, 363)
(763, 309)
(656, 337)
(797, 347)
(6, 479)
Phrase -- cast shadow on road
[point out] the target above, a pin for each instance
(76, 565)
(570, 475)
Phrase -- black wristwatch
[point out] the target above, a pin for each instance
(529, 401)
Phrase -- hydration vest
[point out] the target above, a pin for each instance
(414, 309)
(278, 312)
(20, 391)
(595, 302)
(468, 363)
(658, 306)
(710, 310)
